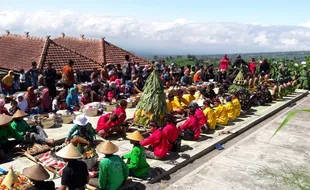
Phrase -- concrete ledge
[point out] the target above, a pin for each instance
(223, 139)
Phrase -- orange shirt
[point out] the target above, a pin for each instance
(68, 72)
(196, 78)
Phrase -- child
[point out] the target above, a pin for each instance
(230, 108)
(210, 115)
(14, 107)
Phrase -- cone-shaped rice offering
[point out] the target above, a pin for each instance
(10, 179)
(152, 105)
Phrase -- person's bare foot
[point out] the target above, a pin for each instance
(50, 141)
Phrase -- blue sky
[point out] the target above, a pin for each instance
(287, 12)
(175, 26)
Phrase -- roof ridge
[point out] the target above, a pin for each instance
(79, 38)
(72, 51)
(19, 36)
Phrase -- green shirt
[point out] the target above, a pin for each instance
(112, 172)
(90, 131)
(21, 127)
(137, 161)
(7, 132)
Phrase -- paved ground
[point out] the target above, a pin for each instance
(237, 166)
(193, 148)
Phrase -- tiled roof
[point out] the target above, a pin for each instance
(90, 48)
(93, 49)
(19, 51)
(60, 55)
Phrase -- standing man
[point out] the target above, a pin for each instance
(50, 75)
(34, 75)
(68, 75)
(127, 69)
(224, 63)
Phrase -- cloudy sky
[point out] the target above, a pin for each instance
(168, 26)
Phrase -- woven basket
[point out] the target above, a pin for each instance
(91, 112)
(66, 119)
(110, 108)
(48, 123)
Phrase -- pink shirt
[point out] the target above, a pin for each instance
(224, 63)
(159, 142)
(191, 123)
(121, 113)
(200, 117)
(172, 133)
(252, 67)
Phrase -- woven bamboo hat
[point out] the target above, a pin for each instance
(4, 120)
(107, 147)
(36, 172)
(10, 179)
(69, 152)
(19, 114)
(135, 136)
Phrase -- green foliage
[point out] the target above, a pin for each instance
(287, 119)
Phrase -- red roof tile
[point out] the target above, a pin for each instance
(60, 55)
(93, 49)
(19, 51)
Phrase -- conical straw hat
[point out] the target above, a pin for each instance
(107, 148)
(19, 114)
(36, 172)
(10, 179)
(69, 152)
(4, 119)
(135, 136)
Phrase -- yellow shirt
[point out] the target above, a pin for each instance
(179, 103)
(211, 119)
(169, 106)
(221, 115)
(8, 80)
(189, 98)
(237, 106)
(230, 110)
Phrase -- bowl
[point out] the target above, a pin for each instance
(48, 123)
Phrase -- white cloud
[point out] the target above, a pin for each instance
(165, 37)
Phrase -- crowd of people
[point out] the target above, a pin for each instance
(75, 89)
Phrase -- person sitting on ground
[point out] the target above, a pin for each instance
(31, 98)
(7, 83)
(191, 96)
(111, 122)
(46, 100)
(197, 77)
(210, 115)
(22, 102)
(172, 133)
(3, 109)
(138, 167)
(202, 121)
(75, 174)
(14, 107)
(82, 128)
(113, 171)
(230, 108)
(30, 134)
(158, 142)
(179, 102)
(38, 109)
(220, 113)
(112, 95)
(186, 80)
(37, 175)
(190, 130)
(170, 103)
(6, 131)
(72, 99)
(237, 104)
(59, 102)
(86, 99)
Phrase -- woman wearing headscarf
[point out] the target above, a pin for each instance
(72, 99)
(31, 97)
(3, 109)
(7, 82)
(46, 100)
(22, 102)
